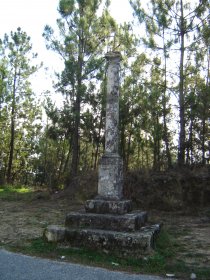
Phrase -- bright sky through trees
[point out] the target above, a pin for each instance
(32, 16)
(164, 100)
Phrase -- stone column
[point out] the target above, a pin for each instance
(108, 223)
(112, 103)
(110, 185)
(110, 180)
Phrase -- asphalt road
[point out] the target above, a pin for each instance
(20, 267)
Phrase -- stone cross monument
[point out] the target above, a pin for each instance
(111, 166)
(108, 222)
(110, 182)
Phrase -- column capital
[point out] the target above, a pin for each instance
(113, 55)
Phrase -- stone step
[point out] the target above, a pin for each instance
(128, 222)
(129, 244)
(102, 206)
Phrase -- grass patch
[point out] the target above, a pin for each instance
(163, 261)
(13, 193)
(156, 263)
(166, 245)
(203, 273)
(39, 247)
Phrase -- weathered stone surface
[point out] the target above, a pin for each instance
(128, 222)
(54, 233)
(121, 244)
(112, 102)
(110, 181)
(101, 206)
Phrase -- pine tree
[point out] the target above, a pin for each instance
(179, 24)
(82, 42)
(17, 95)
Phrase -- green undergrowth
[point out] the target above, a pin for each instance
(163, 261)
(11, 193)
(39, 247)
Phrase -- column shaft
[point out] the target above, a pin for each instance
(112, 103)
(110, 185)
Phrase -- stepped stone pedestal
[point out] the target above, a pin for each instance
(107, 223)
(102, 206)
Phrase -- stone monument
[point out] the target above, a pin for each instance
(108, 223)
(110, 183)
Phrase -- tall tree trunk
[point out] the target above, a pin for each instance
(75, 138)
(122, 138)
(205, 113)
(62, 161)
(11, 148)
(189, 146)
(165, 128)
(67, 159)
(156, 144)
(146, 151)
(128, 151)
(203, 140)
(181, 152)
(12, 133)
(77, 107)
(122, 142)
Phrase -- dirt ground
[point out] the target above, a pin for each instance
(191, 233)
(22, 220)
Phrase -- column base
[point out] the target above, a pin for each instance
(122, 244)
(110, 177)
(130, 222)
(102, 206)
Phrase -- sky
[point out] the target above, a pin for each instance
(32, 16)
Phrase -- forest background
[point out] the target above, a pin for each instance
(164, 93)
